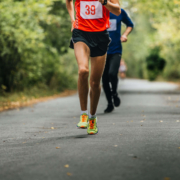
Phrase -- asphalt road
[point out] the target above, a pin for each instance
(138, 141)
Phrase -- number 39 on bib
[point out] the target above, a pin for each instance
(91, 10)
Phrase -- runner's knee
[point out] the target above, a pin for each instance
(83, 72)
(94, 84)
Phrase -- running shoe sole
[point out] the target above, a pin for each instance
(93, 133)
(81, 127)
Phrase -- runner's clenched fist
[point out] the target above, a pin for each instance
(124, 38)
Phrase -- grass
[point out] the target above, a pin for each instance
(29, 97)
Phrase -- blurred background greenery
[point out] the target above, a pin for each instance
(156, 33)
(35, 35)
(34, 40)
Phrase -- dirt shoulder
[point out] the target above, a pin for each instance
(4, 106)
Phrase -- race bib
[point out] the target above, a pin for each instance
(91, 10)
(113, 25)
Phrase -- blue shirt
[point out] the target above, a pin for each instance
(115, 31)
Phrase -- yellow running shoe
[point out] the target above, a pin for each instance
(83, 123)
(92, 126)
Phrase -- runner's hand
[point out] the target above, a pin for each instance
(124, 38)
(101, 1)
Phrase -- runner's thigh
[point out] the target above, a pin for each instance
(82, 53)
(114, 64)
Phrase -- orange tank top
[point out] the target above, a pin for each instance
(91, 16)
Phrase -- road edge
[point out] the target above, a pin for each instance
(17, 105)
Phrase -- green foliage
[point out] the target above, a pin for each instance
(136, 49)
(155, 64)
(156, 24)
(33, 37)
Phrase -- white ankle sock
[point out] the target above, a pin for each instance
(92, 116)
(84, 112)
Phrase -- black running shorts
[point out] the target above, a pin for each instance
(96, 41)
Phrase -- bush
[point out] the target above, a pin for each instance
(32, 40)
(155, 64)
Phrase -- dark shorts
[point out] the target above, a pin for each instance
(96, 41)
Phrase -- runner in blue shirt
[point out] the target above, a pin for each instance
(114, 57)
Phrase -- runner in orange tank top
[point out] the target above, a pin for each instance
(91, 16)
(90, 39)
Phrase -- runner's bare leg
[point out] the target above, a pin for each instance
(82, 53)
(97, 68)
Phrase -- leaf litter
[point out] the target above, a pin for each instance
(69, 174)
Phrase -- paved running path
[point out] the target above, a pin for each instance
(138, 141)
(145, 86)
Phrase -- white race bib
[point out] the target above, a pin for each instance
(113, 25)
(91, 10)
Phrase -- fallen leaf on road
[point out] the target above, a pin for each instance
(178, 121)
(115, 145)
(166, 178)
(161, 121)
(141, 121)
(113, 123)
(52, 127)
(69, 174)
(57, 147)
(24, 142)
(179, 147)
(66, 166)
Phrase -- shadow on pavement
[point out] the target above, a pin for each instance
(74, 137)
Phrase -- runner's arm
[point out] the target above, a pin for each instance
(126, 20)
(70, 8)
(113, 6)
(125, 34)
